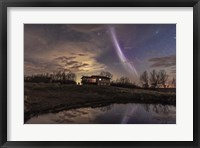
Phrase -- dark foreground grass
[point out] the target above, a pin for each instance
(44, 98)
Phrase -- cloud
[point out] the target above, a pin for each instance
(64, 58)
(59, 46)
(44, 53)
(79, 65)
(70, 63)
(167, 61)
(44, 37)
(82, 54)
(173, 70)
(79, 54)
(86, 28)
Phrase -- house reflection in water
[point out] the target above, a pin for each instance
(95, 80)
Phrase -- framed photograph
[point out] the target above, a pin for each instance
(104, 73)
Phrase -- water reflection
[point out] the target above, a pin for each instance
(113, 114)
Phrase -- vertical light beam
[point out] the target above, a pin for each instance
(120, 54)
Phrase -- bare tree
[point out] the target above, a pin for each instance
(55, 77)
(71, 76)
(144, 78)
(154, 78)
(106, 74)
(117, 80)
(58, 75)
(163, 78)
(124, 80)
(173, 83)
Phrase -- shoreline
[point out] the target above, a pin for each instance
(52, 98)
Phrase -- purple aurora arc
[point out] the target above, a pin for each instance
(128, 66)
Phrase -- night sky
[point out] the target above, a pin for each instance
(124, 50)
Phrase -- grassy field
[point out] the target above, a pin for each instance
(42, 98)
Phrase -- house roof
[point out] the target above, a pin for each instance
(95, 76)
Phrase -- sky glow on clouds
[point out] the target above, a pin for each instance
(122, 49)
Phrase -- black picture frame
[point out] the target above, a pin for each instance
(99, 3)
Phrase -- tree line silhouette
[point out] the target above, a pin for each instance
(59, 77)
(156, 79)
(152, 80)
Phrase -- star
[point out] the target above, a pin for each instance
(157, 32)
(99, 33)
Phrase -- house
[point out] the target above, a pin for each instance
(95, 80)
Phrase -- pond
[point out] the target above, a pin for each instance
(131, 113)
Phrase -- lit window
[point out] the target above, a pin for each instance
(99, 79)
